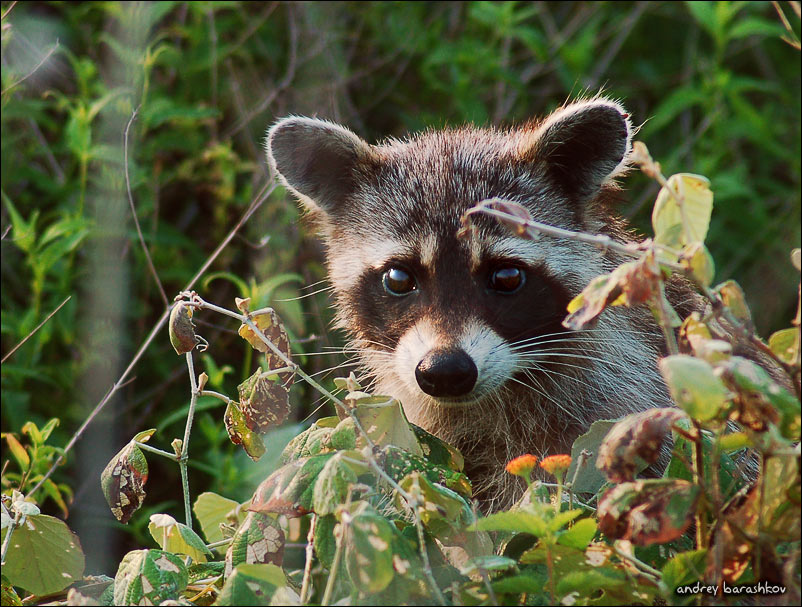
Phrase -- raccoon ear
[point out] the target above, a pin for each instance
(316, 159)
(581, 146)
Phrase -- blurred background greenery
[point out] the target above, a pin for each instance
(714, 84)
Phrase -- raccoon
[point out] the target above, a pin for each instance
(466, 331)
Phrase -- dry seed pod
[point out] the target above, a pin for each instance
(182, 329)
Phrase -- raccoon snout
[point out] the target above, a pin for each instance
(446, 372)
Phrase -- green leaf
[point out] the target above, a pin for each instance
(252, 585)
(398, 463)
(685, 568)
(667, 216)
(325, 543)
(589, 479)
(44, 556)
(367, 552)
(240, 434)
(335, 480)
(694, 386)
(177, 538)
(579, 535)
(24, 231)
(517, 521)
(211, 509)
(289, 490)
(487, 563)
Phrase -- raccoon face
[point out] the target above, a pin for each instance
(437, 319)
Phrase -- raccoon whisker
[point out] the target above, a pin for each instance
(316, 283)
(570, 414)
(348, 363)
(313, 293)
(547, 354)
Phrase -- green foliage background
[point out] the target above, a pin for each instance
(717, 91)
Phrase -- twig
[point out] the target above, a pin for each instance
(643, 567)
(310, 550)
(335, 565)
(182, 462)
(7, 542)
(213, 37)
(533, 228)
(792, 39)
(39, 326)
(8, 10)
(31, 73)
(257, 202)
(157, 451)
(292, 63)
(133, 212)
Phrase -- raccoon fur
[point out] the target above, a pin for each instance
(466, 332)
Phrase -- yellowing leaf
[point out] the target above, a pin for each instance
(696, 209)
(177, 538)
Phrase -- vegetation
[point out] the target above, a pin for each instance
(132, 170)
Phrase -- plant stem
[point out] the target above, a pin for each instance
(698, 479)
(646, 569)
(161, 452)
(335, 566)
(182, 462)
(550, 567)
(310, 549)
(7, 542)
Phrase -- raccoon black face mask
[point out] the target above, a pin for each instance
(466, 332)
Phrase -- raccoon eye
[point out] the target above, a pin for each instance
(506, 280)
(398, 282)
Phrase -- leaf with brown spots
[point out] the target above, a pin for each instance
(123, 480)
(240, 434)
(259, 539)
(653, 511)
(270, 324)
(634, 443)
(264, 403)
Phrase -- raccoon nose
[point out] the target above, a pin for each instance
(446, 373)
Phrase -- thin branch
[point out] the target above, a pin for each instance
(133, 212)
(8, 10)
(310, 550)
(289, 75)
(257, 202)
(182, 461)
(31, 73)
(39, 326)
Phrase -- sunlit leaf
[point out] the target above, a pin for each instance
(44, 556)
